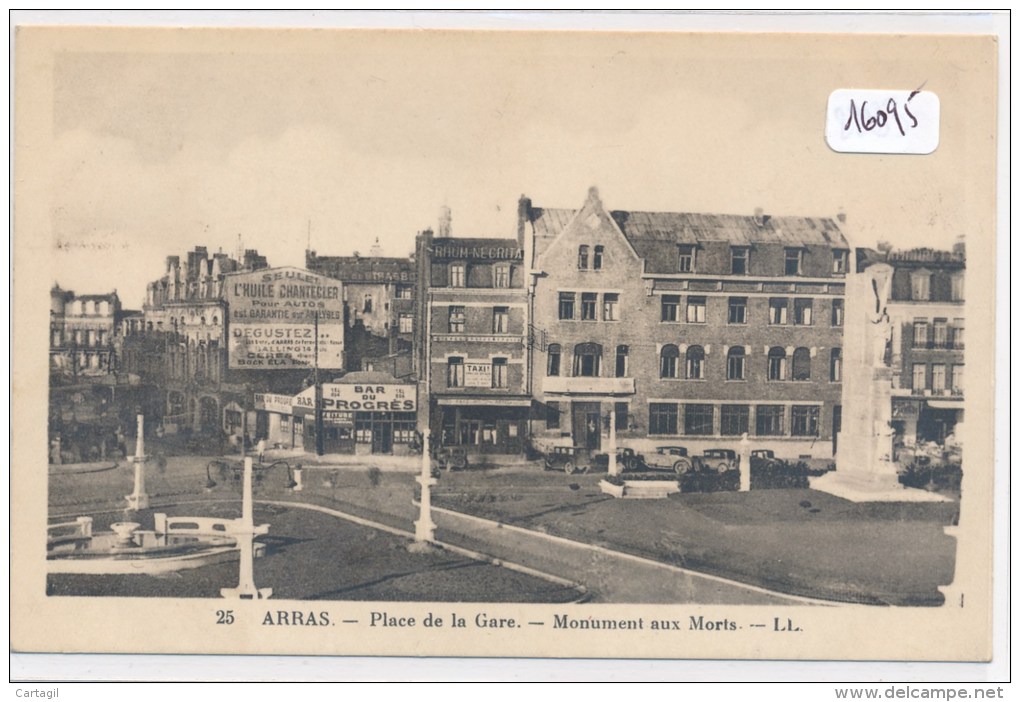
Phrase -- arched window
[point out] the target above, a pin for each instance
(695, 366)
(777, 363)
(588, 360)
(735, 363)
(669, 362)
(596, 261)
(215, 320)
(367, 307)
(582, 257)
(554, 360)
(202, 321)
(801, 364)
(836, 365)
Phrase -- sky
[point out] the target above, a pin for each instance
(165, 140)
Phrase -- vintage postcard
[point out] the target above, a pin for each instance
(520, 344)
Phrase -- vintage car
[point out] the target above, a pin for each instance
(452, 458)
(717, 460)
(626, 458)
(673, 458)
(765, 458)
(569, 459)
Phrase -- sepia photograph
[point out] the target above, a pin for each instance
(545, 344)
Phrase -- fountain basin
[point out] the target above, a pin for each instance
(177, 543)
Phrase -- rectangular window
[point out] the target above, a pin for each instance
(670, 308)
(458, 275)
(938, 377)
(957, 379)
(920, 380)
(686, 258)
(499, 373)
(404, 292)
(455, 373)
(793, 261)
(622, 353)
(734, 419)
(802, 312)
(500, 320)
(589, 301)
(920, 285)
(839, 260)
(582, 257)
(698, 420)
(596, 259)
(738, 260)
(804, 421)
(738, 311)
(456, 320)
(956, 289)
(768, 420)
(920, 333)
(837, 313)
(501, 277)
(956, 333)
(567, 305)
(552, 415)
(621, 409)
(406, 324)
(777, 310)
(610, 307)
(554, 360)
(696, 310)
(662, 418)
(940, 334)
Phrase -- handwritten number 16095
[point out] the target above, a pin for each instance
(859, 118)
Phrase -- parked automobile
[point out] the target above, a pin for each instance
(717, 460)
(765, 458)
(569, 459)
(673, 458)
(625, 457)
(452, 458)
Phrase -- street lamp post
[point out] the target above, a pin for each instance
(139, 499)
(245, 531)
(425, 528)
(614, 468)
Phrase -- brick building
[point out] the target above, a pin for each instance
(689, 329)
(472, 341)
(926, 309)
(379, 295)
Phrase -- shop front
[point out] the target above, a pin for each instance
(370, 417)
(484, 425)
(275, 420)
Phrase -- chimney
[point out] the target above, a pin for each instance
(841, 216)
(523, 215)
(376, 250)
(760, 218)
(960, 246)
(445, 229)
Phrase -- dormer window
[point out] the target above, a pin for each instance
(686, 261)
(596, 261)
(582, 257)
(739, 256)
(458, 275)
(794, 259)
(840, 258)
(920, 285)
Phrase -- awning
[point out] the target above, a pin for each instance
(946, 404)
(485, 402)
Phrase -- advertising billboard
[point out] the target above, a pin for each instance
(284, 318)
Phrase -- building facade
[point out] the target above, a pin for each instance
(379, 308)
(473, 342)
(926, 309)
(686, 329)
(84, 333)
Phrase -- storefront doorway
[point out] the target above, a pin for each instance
(587, 425)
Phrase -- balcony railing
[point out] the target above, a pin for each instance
(949, 345)
(588, 386)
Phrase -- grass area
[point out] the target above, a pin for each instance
(798, 541)
(313, 556)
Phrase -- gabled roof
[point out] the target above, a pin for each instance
(648, 231)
